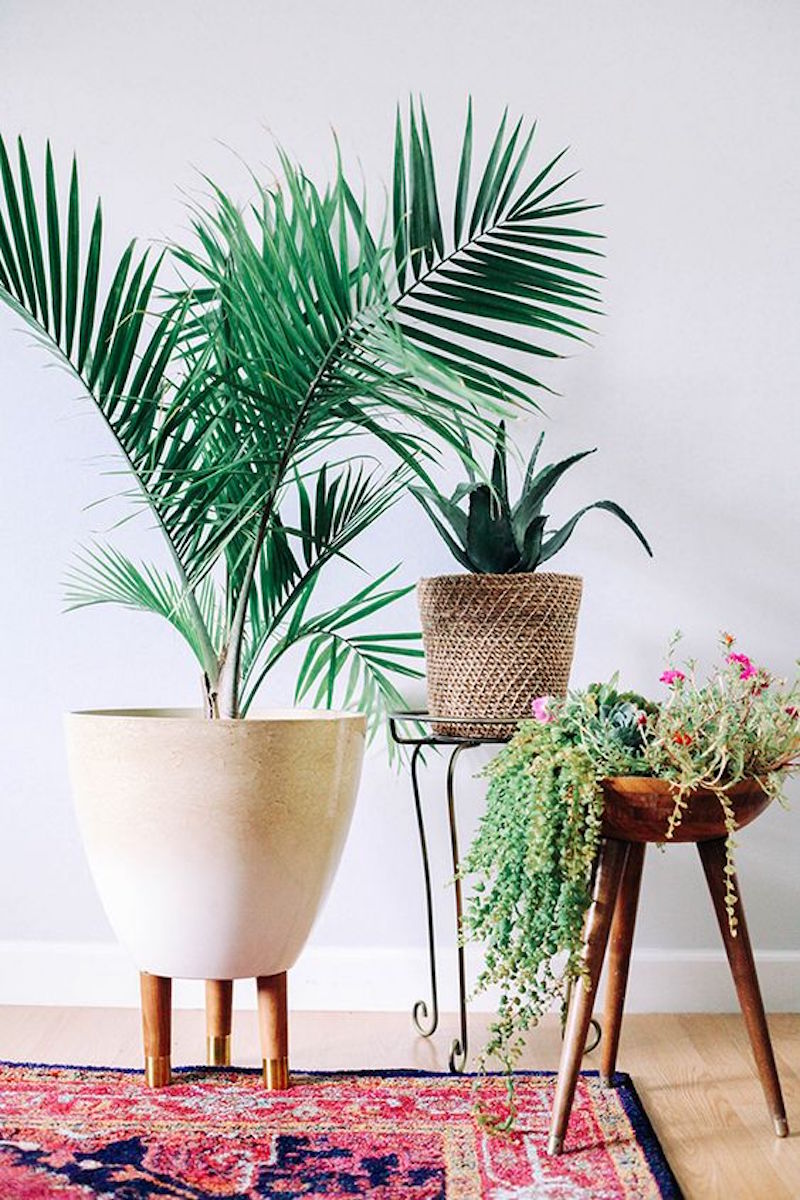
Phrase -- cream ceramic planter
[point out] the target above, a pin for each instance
(214, 843)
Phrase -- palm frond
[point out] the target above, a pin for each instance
(103, 575)
(345, 666)
(106, 338)
(59, 293)
(343, 507)
(358, 671)
(512, 275)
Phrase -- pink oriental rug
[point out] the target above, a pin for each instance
(80, 1133)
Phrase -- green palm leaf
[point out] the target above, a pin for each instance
(99, 337)
(344, 506)
(342, 664)
(495, 277)
(103, 575)
(352, 668)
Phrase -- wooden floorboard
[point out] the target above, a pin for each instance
(694, 1074)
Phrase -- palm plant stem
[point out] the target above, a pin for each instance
(229, 680)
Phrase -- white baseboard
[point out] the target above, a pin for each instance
(378, 979)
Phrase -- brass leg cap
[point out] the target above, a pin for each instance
(218, 1051)
(555, 1145)
(157, 1070)
(276, 1074)
(781, 1126)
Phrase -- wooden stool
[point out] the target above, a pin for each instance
(636, 812)
(273, 1027)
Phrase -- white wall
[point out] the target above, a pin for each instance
(683, 119)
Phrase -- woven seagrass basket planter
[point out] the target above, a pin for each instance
(492, 643)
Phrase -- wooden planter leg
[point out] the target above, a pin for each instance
(743, 969)
(598, 922)
(157, 1028)
(273, 1028)
(219, 1020)
(619, 959)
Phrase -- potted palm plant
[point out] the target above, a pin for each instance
(506, 630)
(236, 375)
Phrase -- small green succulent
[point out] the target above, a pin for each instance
(495, 537)
(612, 726)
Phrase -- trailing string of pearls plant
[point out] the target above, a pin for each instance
(532, 859)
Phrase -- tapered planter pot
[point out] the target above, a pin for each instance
(213, 843)
(493, 642)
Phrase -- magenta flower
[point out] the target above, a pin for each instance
(540, 707)
(747, 669)
(672, 677)
(793, 712)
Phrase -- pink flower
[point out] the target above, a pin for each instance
(747, 669)
(672, 677)
(793, 712)
(641, 719)
(540, 707)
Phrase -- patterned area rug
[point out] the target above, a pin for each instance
(81, 1132)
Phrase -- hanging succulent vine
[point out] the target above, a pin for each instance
(532, 860)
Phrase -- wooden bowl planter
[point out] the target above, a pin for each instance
(493, 642)
(213, 844)
(638, 808)
(636, 812)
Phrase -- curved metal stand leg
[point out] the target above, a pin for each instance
(595, 1029)
(425, 1019)
(458, 1050)
(594, 1038)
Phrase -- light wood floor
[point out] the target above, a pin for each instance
(694, 1074)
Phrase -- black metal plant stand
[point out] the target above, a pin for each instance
(401, 724)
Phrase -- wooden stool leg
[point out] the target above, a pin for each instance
(743, 969)
(273, 1028)
(156, 1027)
(598, 922)
(619, 958)
(219, 1020)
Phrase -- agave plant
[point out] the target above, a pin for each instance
(233, 373)
(494, 536)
